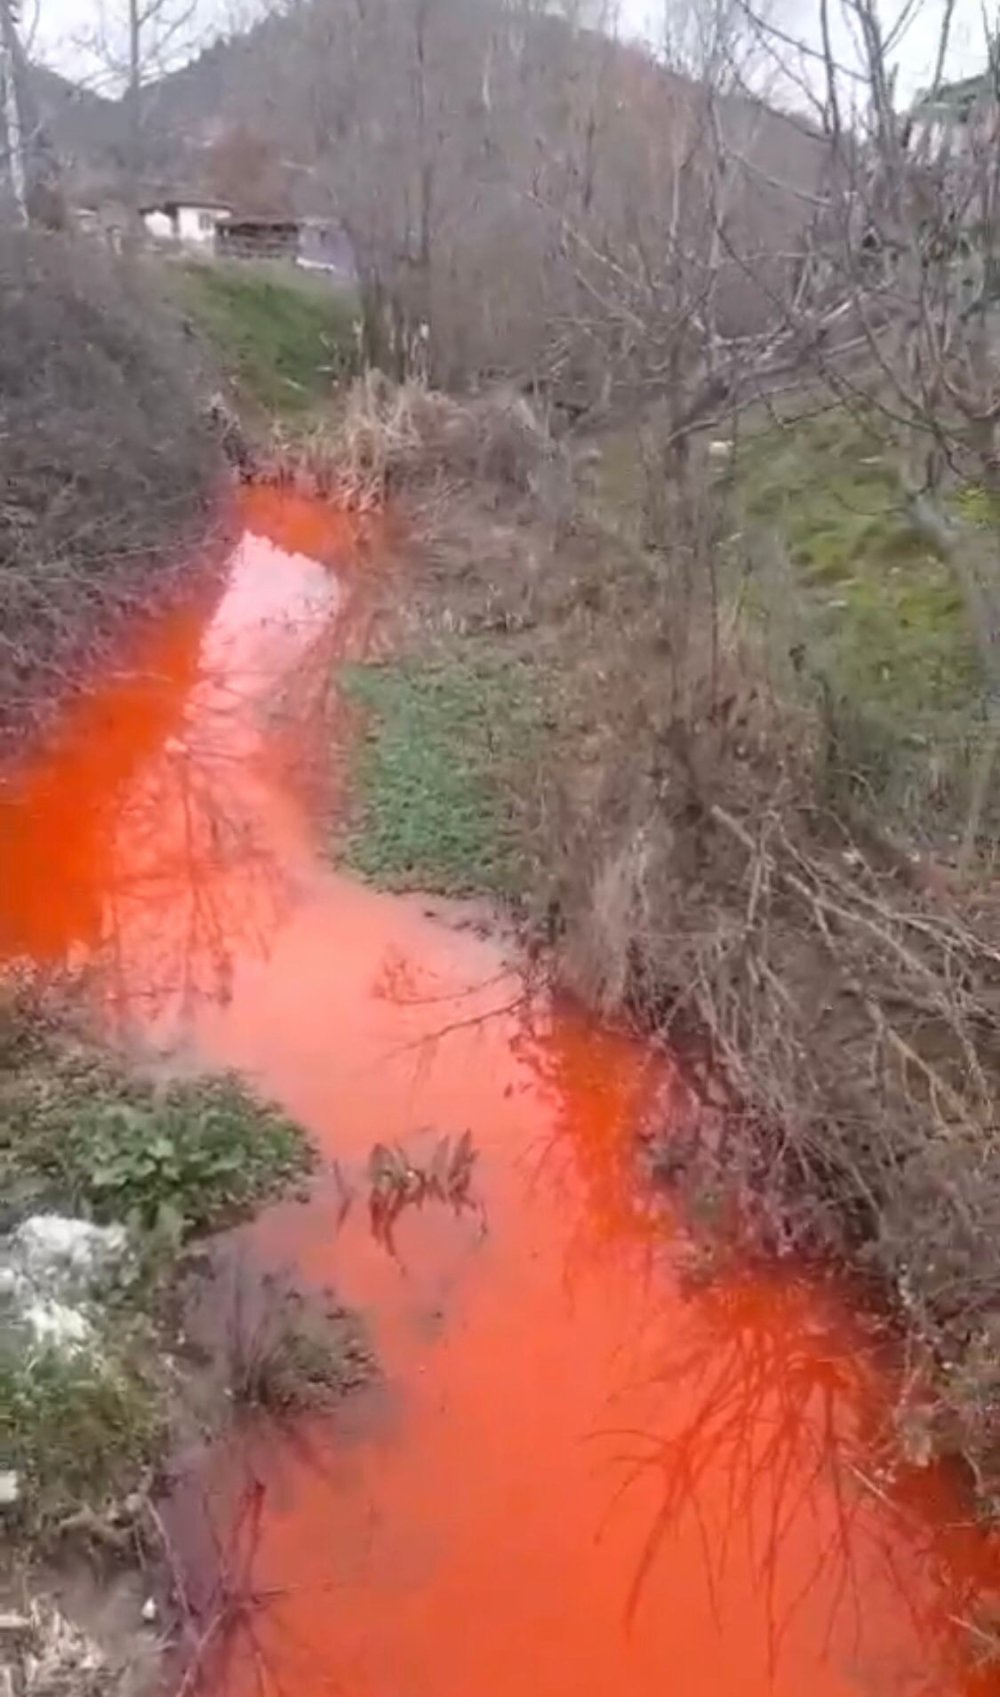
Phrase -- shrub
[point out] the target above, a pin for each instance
(74, 1429)
(78, 1133)
(106, 463)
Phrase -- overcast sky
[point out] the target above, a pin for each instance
(60, 26)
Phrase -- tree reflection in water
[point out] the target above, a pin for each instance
(149, 845)
(737, 1434)
(772, 1430)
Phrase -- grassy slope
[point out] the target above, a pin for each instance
(873, 621)
(283, 336)
(877, 621)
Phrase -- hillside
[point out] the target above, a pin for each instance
(84, 130)
(247, 92)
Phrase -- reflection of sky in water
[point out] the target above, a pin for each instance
(196, 843)
(152, 845)
(274, 603)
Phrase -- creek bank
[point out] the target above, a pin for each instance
(685, 826)
(129, 1329)
(111, 472)
(517, 1338)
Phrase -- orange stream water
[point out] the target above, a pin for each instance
(582, 1475)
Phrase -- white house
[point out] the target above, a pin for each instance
(192, 223)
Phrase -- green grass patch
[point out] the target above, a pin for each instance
(76, 1429)
(876, 616)
(80, 1134)
(284, 338)
(436, 771)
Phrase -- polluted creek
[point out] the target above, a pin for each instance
(580, 1468)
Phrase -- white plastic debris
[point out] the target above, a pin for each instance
(149, 1611)
(49, 1267)
(10, 1489)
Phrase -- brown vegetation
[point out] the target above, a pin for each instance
(107, 464)
(838, 1005)
(390, 440)
(708, 870)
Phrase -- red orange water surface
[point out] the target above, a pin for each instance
(583, 1473)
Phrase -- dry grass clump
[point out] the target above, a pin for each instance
(106, 463)
(840, 1009)
(405, 439)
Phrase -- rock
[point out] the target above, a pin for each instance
(54, 1250)
(58, 1325)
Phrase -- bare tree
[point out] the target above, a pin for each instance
(13, 140)
(896, 306)
(134, 43)
(518, 182)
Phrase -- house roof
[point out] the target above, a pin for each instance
(197, 203)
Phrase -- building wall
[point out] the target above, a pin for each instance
(257, 238)
(196, 225)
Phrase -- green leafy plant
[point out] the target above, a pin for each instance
(431, 791)
(74, 1428)
(78, 1132)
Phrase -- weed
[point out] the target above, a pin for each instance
(78, 1132)
(286, 1351)
(398, 1182)
(284, 338)
(75, 1429)
(433, 810)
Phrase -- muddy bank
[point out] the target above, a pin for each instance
(610, 1465)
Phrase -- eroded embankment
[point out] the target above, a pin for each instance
(587, 1465)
